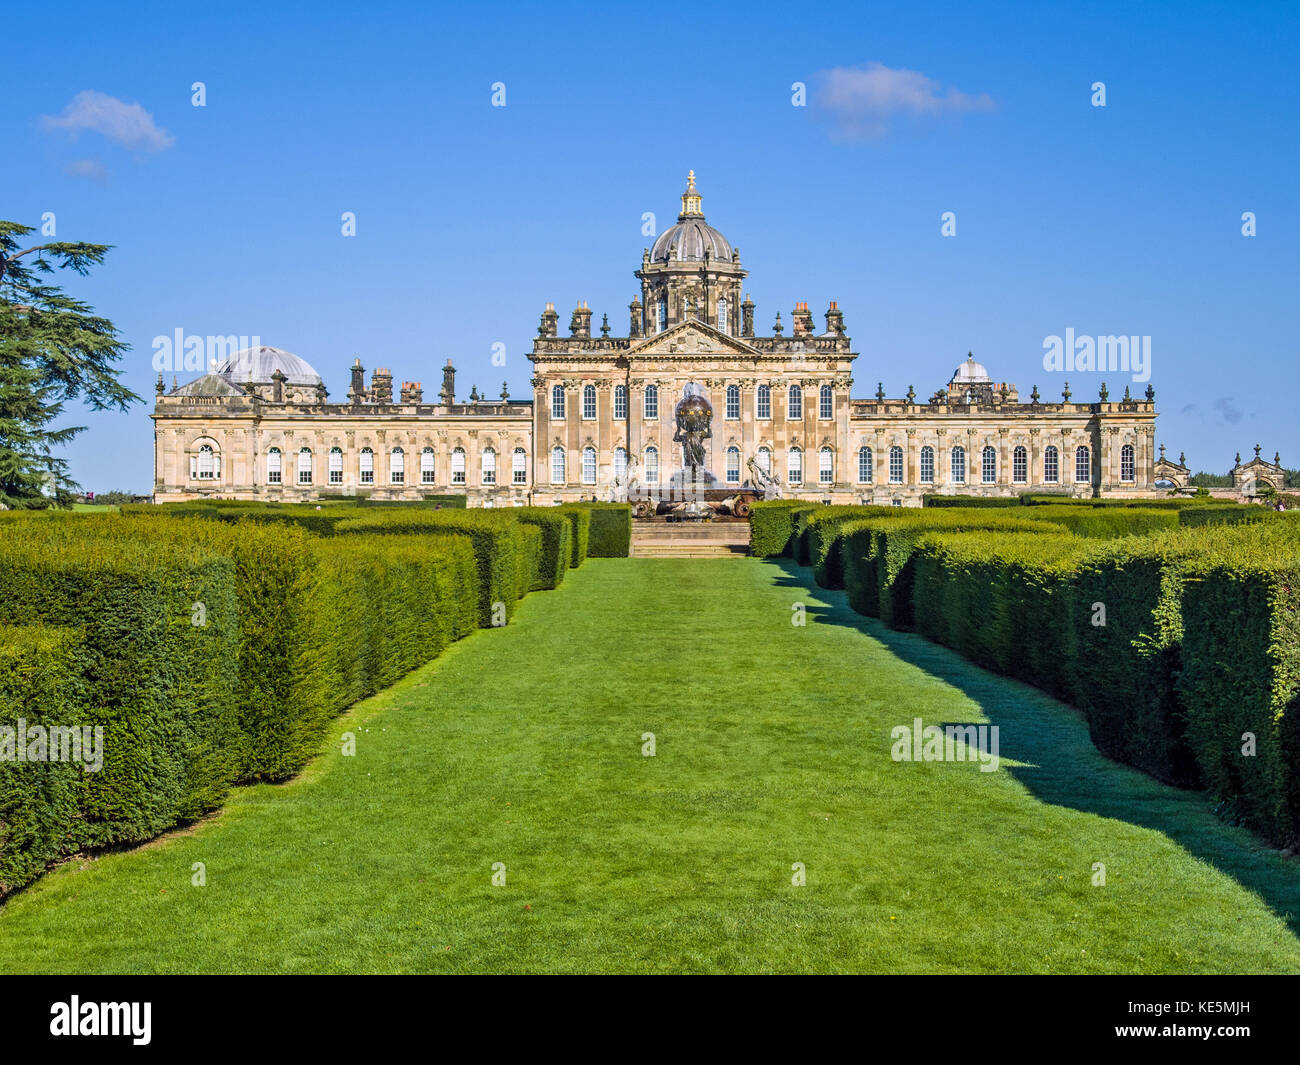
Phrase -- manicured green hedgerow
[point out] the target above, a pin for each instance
(1240, 675)
(1227, 514)
(825, 530)
(611, 530)
(40, 685)
(556, 551)
(501, 547)
(161, 685)
(580, 533)
(1005, 600)
(1105, 523)
(771, 525)
(1127, 635)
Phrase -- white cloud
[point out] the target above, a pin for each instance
(862, 102)
(87, 168)
(129, 125)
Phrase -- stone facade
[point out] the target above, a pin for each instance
(602, 410)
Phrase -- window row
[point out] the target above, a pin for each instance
(988, 465)
(731, 405)
(300, 467)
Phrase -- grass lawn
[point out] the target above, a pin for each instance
(524, 746)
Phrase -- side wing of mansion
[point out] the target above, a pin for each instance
(261, 426)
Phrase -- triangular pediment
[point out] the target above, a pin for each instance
(690, 338)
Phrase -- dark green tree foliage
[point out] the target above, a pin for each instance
(53, 349)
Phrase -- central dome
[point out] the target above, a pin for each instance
(970, 372)
(691, 237)
(258, 365)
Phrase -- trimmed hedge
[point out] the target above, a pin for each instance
(1105, 522)
(611, 530)
(501, 547)
(826, 530)
(580, 533)
(556, 552)
(40, 684)
(1227, 514)
(162, 687)
(1241, 674)
(994, 596)
(772, 525)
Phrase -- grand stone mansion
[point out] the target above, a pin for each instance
(261, 425)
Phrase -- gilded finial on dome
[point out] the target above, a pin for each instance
(691, 198)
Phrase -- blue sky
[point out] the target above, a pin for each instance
(1117, 220)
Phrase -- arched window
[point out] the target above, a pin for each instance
(652, 465)
(367, 466)
(651, 402)
(273, 467)
(336, 465)
(1020, 465)
(620, 464)
(397, 466)
(304, 466)
(426, 466)
(557, 402)
(519, 466)
(588, 465)
(765, 459)
(620, 402)
(794, 405)
(662, 315)
(204, 465)
(825, 466)
(1082, 465)
(733, 402)
(557, 465)
(895, 465)
(723, 325)
(1051, 465)
(764, 402)
(927, 465)
(866, 469)
(488, 466)
(1126, 465)
(794, 466)
(588, 402)
(826, 403)
(733, 465)
(957, 465)
(988, 466)
(458, 466)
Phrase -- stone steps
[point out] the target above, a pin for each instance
(662, 539)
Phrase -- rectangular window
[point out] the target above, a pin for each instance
(733, 402)
(795, 396)
(865, 472)
(273, 467)
(518, 469)
(458, 467)
(304, 467)
(895, 465)
(589, 465)
(958, 467)
(826, 404)
(733, 466)
(651, 403)
(1019, 466)
(794, 471)
(489, 467)
(557, 465)
(426, 466)
(367, 466)
(620, 402)
(1126, 463)
(927, 465)
(588, 403)
(1051, 466)
(336, 466)
(764, 402)
(397, 467)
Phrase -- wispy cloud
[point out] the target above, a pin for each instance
(87, 168)
(129, 125)
(1228, 410)
(864, 102)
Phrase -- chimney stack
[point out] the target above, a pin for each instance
(802, 322)
(381, 385)
(580, 323)
(448, 394)
(412, 392)
(835, 319)
(550, 322)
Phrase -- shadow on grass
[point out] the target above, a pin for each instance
(1059, 764)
